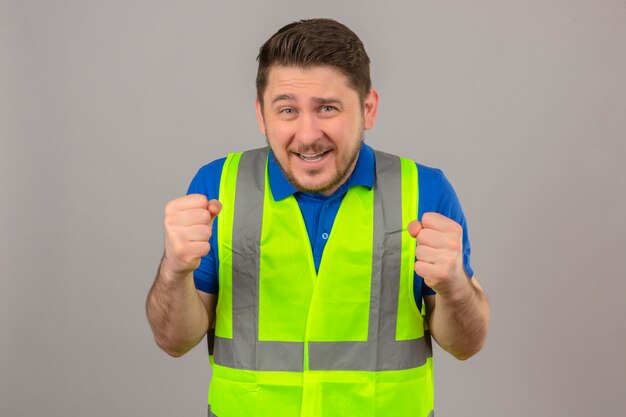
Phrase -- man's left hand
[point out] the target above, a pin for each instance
(439, 254)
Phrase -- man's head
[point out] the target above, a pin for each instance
(314, 100)
(315, 43)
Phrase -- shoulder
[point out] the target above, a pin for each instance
(431, 183)
(210, 170)
(207, 179)
(430, 178)
(437, 194)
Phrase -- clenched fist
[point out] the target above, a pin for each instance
(439, 253)
(188, 228)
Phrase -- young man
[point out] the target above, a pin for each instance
(320, 263)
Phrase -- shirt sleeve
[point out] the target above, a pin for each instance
(438, 195)
(207, 182)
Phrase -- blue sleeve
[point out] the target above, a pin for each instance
(437, 195)
(207, 182)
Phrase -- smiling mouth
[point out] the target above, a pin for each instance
(312, 157)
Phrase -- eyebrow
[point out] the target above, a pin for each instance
(315, 100)
(288, 97)
(326, 101)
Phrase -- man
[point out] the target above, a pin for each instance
(320, 263)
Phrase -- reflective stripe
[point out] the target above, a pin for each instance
(246, 251)
(210, 414)
(247, 222)
(363, 356)
(259, 355)
(381, 351)
(388, 229)
(431, 414)
(387, 245)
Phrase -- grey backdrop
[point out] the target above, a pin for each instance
(107, 109)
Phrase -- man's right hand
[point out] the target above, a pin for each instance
(188, 228)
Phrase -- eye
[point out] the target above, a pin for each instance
(327, 109)
(287, 111)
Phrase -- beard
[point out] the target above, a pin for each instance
(339, 178)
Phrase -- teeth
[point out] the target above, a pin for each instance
(312, 158)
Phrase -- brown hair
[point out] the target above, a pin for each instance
(316, 42)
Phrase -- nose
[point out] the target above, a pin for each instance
(308, 129)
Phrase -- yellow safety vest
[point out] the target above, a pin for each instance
(346, 341)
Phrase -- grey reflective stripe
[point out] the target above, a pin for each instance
(210, 414)
(381, 351)
(243, 351)
(363, 356)
(247, 222)
(431, 414)
(266, 356)
(388, 229)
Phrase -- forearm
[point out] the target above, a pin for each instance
(176, 314)
(459, 324)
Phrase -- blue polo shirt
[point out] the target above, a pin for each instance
(435, 195)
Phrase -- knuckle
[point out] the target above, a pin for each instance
(196, 200)
(170, 207)
(200, 199)
(169, 221)
(419, 269)
(187, 254)
(431, 282)
(191, 259)
(204, 235)
(205, 216)
(180, 251)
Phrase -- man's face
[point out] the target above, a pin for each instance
(314, 123)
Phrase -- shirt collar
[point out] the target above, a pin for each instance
(363, 174)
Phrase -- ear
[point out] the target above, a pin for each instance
(259, 116)
(370, 108)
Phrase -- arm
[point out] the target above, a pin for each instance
(458, 315)
(459, 325)
(178, 314)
